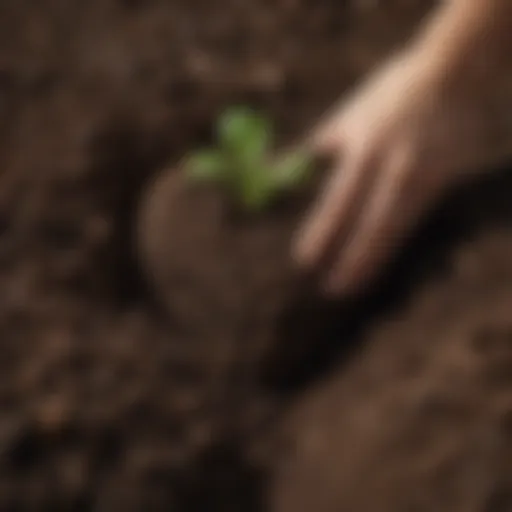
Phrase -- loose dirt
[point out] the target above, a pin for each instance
(105, 404)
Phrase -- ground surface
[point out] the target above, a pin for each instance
(102, 407)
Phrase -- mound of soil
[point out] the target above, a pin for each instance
(225, 277)
(421, 418)
(106, 401)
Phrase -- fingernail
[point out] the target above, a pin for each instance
(301, 252)
(301, 256)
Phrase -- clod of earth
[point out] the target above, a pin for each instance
(225, 277)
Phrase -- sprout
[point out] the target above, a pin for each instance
(241, 160)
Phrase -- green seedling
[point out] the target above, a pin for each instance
(242, 163)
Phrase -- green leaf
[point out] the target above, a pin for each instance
(256, 198)
(241, 160)
(255, 187)
(207, 165)
(245, 134)
(291, 170)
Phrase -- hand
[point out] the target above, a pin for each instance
(393, 156)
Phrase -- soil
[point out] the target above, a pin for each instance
(399, 401)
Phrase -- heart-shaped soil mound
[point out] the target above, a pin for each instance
(224, 276)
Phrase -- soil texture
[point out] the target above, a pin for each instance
(400, 401)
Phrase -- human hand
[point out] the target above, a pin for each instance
(393, 156)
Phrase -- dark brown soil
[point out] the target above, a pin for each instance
(107, 403)
(224, 276)
(420, 419)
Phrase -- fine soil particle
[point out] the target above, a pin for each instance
(107, 401)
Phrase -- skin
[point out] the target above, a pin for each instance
(431, 117)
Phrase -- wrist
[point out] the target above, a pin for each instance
(467, 36)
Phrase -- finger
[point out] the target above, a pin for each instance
(327, 138)
(332, 212)
(389, 215)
